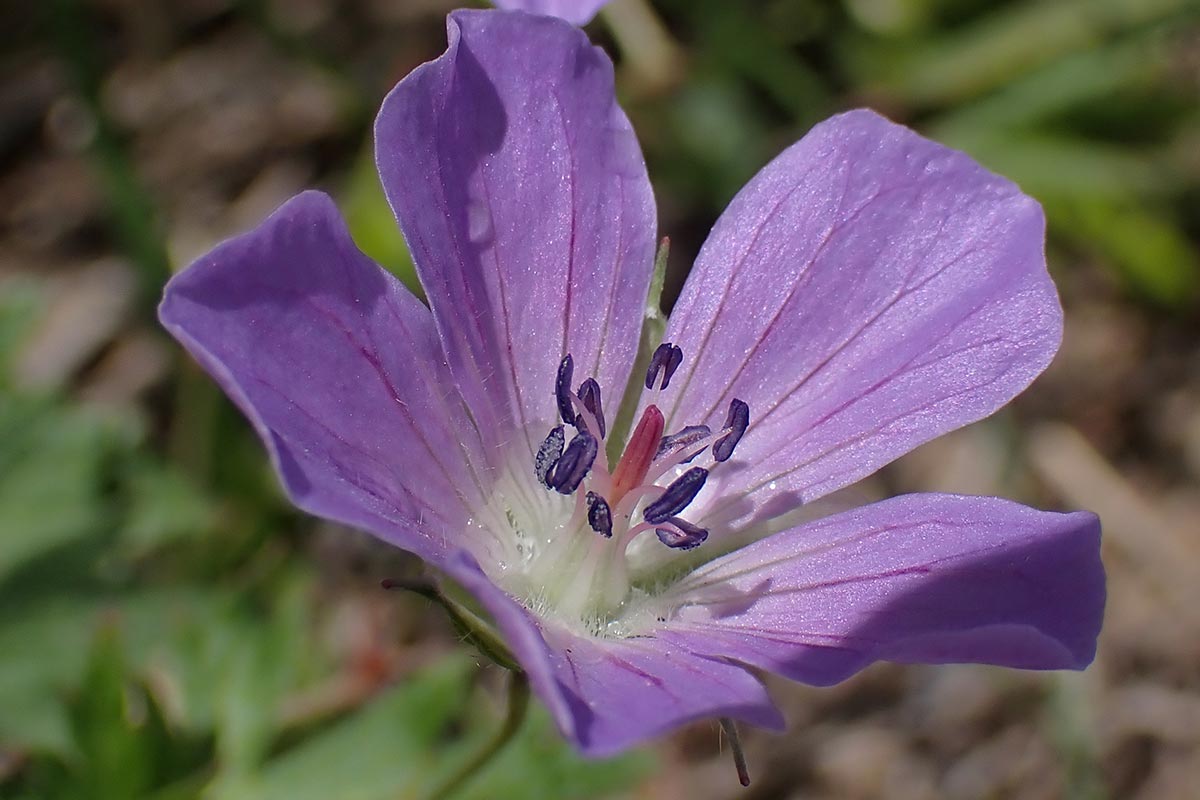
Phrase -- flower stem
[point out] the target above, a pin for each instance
(518, 704)
(735, 745)
(469, 624)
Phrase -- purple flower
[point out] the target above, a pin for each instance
(577, 12)
(868, 291)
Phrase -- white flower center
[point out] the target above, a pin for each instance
(557, 535)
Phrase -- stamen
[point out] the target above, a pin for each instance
(681, 534)
(599, 515)
(574, 464)
(677, 496)
(562, 389)
(548, 455)
(683, 440)
(665, 361)
(589, 393)
(736, 422)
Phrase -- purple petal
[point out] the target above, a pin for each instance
(577, 12)
(339, 369)
(523, 195)
(624, 691)
(919, 578)
(522, 634)
(868, 291)
(609, 694)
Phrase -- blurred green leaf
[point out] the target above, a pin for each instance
(1078, 80)
(116, 761)
(1071, 725)
(722, 140)
(1151, 254)
(1000, 46)
(43, 657)
(540, 765)
(164, 506)
(18, 306)
(1046, 164)
(207, 651)
(52, 470)
(45, 662)
(403, 740)
(748, 46)
(383, 751)
(267, 660)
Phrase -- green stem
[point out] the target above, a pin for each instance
(477, 631)
(518, 704)
(735, 745)
(654, 322)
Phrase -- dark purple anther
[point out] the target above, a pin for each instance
(737, 421)
(677, 496)
(548, 455)
(574, 464)
(665, 361)
(562, 389)
(589, 395)
(683, 535)
(599, 515)
(683, 440)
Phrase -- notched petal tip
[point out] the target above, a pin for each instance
(286, 318)
(513, 262)
(908, 286)
(576, 12)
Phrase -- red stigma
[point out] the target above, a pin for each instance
(639, 453)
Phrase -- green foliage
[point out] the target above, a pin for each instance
(52, 463)
(412, 734)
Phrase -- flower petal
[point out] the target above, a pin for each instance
(523, 195)
(609, 694)
(340, 371)
(624, 691)
(522, 633)
(920, 578)
(868, 291)
(577, 12)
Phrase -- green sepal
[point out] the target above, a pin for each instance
(654, 325)
(469, 625)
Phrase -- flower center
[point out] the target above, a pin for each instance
(582, 573)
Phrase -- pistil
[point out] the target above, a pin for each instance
(582, 572)
(639, 453)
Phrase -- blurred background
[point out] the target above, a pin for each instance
(171, 628)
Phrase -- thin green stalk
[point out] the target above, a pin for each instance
(476, 630)
(518, 705)
(735, 746)
(654, 323)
